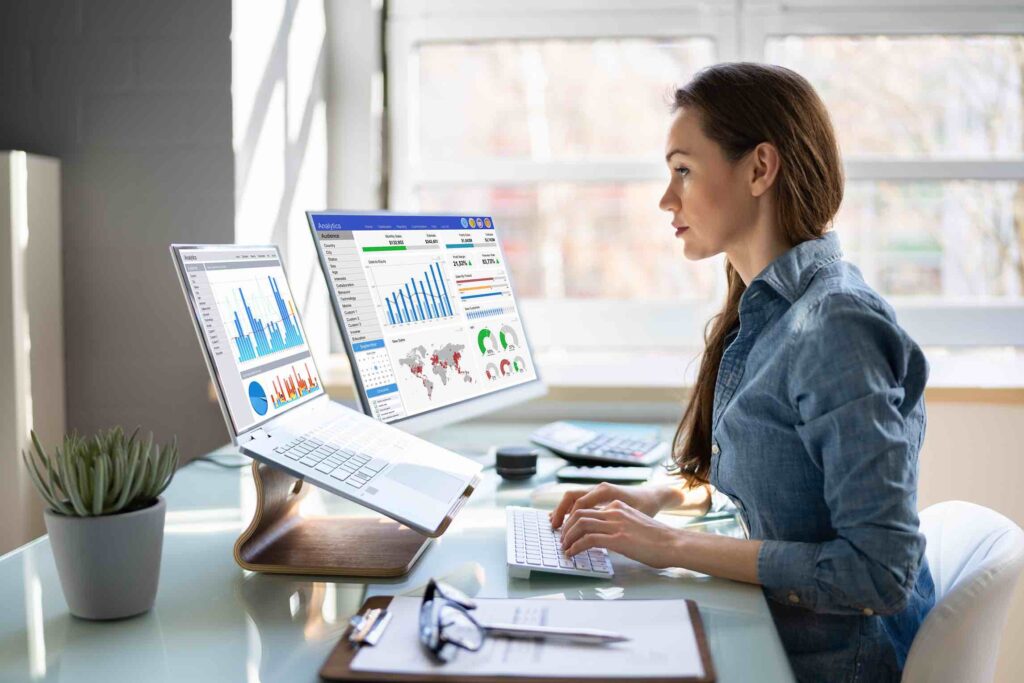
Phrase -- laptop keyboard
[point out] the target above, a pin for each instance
(336, 450)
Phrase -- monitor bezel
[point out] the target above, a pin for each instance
(437, 417)
(211, 366)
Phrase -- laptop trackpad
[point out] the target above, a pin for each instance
(432, 482)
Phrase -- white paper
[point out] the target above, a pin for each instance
(662, 643)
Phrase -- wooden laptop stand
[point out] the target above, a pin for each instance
(281, 541)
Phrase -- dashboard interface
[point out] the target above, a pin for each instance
(427, 308)
(252, 331)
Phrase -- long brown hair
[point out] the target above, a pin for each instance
(741, 105)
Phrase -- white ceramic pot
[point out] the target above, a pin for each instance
(109, 566)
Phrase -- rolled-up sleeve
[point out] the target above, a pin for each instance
(857, 382)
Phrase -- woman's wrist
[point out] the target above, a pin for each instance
(669, 497)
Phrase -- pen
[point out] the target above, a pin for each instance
(576, 635)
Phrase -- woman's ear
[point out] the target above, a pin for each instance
(765, 158)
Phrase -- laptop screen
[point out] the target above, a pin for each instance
(426, 307)
(250, 326)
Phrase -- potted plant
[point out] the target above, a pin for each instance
(105, 518)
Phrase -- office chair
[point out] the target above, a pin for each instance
(976, 556)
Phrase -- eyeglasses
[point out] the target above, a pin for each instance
(446, 625)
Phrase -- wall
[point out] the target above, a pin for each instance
(31, 339)
(279, 71)
(972, 451)
(133, 96)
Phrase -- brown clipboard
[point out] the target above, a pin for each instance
(337, 667)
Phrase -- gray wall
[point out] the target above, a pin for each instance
(134, 98)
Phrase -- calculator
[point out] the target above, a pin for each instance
(587, 446)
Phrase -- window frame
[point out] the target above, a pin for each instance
(739, 30)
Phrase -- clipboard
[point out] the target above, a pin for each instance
(337, 667)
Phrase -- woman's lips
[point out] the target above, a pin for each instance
(681, 230)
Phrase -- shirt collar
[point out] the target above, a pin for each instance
(790, 273)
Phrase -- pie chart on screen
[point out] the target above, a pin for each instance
(258, 398)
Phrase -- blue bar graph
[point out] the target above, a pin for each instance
(266, 338)
(420, 300)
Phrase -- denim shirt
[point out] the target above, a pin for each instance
(817, 422)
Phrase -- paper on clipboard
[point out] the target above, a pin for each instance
(663, 642)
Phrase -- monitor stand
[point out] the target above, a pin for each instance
(279, 540)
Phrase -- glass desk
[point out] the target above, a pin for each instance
(215, 622)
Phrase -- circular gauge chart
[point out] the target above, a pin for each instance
(492, 371)
(506, 367)
(518, 364)
(258, 398)
(486, 342)
(509, 338)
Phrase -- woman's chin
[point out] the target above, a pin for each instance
(692, 251)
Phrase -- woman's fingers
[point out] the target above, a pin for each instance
(575, 518)
(588, 541)
(587, 525)
(564, 506)
(581, 499)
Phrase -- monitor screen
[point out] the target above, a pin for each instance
(251, 329)
(426, 309)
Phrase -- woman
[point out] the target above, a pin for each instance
(808, 409)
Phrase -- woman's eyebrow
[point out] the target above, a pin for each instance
(674, 152)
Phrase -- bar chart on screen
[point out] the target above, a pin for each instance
(258, 315)
(411, 293)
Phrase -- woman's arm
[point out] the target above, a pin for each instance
(623, 529)
(694, 501)
(649, 500)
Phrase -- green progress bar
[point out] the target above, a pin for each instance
(400, 247)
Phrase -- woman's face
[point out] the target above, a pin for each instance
(709, 196)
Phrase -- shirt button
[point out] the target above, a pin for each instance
(794, 598)
(867, 611)
(714, 449)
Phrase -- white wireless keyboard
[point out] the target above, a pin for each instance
(533, 546)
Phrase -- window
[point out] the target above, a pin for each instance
(952, 99)
(552, 116)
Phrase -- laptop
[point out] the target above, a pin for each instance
(275, 406)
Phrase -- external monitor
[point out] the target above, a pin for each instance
(427, 313)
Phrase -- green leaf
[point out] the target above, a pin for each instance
(33, 473)
(117, 476)
(140, 481)
(131, 473)
(99, 485)
(72, 482)
(84, 473)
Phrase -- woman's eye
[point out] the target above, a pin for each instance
(682, 170)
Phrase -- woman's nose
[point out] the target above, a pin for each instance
(669, 201)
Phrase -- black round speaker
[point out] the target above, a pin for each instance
(516, 462)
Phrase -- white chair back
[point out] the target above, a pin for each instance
(976, 556)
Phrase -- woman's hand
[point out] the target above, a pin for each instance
(647, 499)
(625, 530)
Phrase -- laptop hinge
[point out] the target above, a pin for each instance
(257, 434)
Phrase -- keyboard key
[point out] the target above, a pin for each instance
(340, 475)
(325, 468)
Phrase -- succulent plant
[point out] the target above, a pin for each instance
(105, 475)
